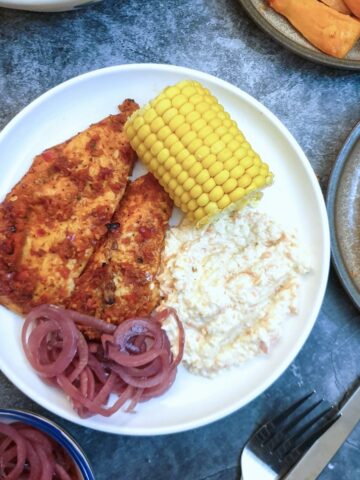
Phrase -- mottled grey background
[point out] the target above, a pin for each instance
(318, 105)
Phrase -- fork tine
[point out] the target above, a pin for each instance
(267, 432)
(283, 415)
(290, 443)
(294, 455)
(298, 419)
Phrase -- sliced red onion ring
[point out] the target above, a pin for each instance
(28, 453)
(134, 360)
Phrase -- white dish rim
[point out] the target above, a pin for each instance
(295, 349)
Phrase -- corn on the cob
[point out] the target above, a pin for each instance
(196, 151)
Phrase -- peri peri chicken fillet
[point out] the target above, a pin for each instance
(53, 219)
(119, 281)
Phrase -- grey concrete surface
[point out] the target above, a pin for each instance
(318, 105)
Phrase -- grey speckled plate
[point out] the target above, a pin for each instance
(343, 203)
(281, 30)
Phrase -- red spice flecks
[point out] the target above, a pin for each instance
(64, 272)
(116, 187)
(40, 232)
(105, 173)
(146, 232)
(48, 155)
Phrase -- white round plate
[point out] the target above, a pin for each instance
(46, 5)
(295, 200)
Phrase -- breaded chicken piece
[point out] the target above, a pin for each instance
(119, 281)
(52, 220)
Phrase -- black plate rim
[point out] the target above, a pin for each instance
(286, 42)
(331, 203)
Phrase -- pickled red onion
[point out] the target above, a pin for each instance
(134, 360)
(25, 452)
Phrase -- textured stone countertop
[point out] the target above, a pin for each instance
(318, 105)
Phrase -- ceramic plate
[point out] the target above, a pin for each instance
(295, 200)
(344, 214)
(46, 5)
(281, 30)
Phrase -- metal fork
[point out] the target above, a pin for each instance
(280, 443)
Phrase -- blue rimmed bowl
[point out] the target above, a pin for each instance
(54, 431)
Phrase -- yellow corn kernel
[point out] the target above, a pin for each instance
(176, 122)
(216, 193)
(244, 181)
(136, 141)
(211, 139)
(156, 124)
(172, 184)
(170, 162)
(231, 164)
(143, 132)
(189, 162)
(192, 205)
(172, 92)
(202, 177)
(193, 117)
(204, 132)
(237, 172)
(198, 124)
(259, 181)
(209, 185)
(195, 192)
(178, 101)
(230, 185)
(182, 130)
(211, 208)
(176, 148)
(196, 151)
(169, 114)
(182, 177)
(194, 146)
(188, 184)
(208, 160)
(156, 148)
(217, 147)
(188, 138)
(215, 168)
(185, 198)
(236, 194)
(163, 155)
(182, 156)
(162, 106)
(224, 202)
(221, 177)
(150, 115)
(178, 190)
(137, 124)
(199, 213)
(202, 152)
(203, 199)
(186, 109)
(195, 169)
(175, 170)
(163, 133)
(147, 158)
(150, 140)
(224, 155)
(253, 171)
(208, 115)
(170, 140)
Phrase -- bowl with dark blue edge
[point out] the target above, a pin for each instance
(55, 432)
